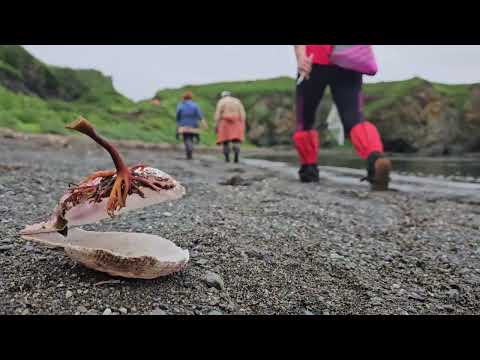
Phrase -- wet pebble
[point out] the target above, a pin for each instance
(416, 296)
(201, 261)
(215, 312)
(453, 294)
(6, 248)
(107, 311)
(158, 312)
(214, 280)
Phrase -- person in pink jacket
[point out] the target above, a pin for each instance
(346, 87)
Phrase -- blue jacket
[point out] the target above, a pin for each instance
(188, 114)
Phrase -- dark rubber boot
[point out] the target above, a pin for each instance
(378, 172)
(315, 173)
(302, 173)
(309, 174)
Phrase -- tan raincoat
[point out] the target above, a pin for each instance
(230, 118)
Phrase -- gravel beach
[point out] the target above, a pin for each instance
(260, 242)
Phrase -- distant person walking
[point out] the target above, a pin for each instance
(346, 87)
(189, 120)
(230, 118)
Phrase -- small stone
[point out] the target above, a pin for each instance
(308, 313)
(161, 306)
(28, 248)
(453, 293)
(335, 256)
(91, 312)
(107, 312)
(377, 301)
(416, 296)
(167, 214)
(158, 312)
(123, 310)
(244, 255)
(214, 280)
(68, 294)
(6, 248)
(214, 301)
(448, 308)
(82, 309)
(215, 312)
(395, 286)
(201, 261)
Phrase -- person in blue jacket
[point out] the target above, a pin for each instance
(189, 118)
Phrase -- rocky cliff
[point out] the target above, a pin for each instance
(429, 118)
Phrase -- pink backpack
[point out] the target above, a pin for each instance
(358, 58)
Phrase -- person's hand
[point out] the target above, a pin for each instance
(305, 65)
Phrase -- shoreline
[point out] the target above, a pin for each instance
(53, 140)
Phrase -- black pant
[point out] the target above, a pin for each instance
(188, 141)
(236, 146)
(236, 149)
(346, 88)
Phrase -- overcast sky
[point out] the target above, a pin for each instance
(138, 71)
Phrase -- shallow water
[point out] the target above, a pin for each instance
(453, 168)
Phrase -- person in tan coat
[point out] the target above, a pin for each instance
(230, 118)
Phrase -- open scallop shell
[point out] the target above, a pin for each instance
(129, 255)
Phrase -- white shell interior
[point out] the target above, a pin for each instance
(148, 256)
(131, 245)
